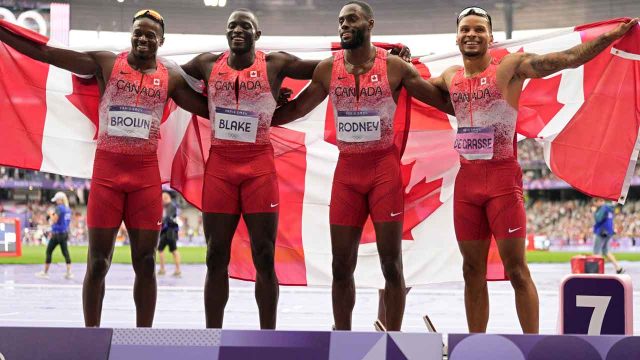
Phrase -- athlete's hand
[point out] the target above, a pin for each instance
(285, 94)
(623, 28)
(402, 51)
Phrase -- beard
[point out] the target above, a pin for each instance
(357, 39)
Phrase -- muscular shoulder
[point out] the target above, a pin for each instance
(205, 58)
(396, 63)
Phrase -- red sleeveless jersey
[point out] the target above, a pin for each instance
(486, 121)
(241, 104)
(131, 109)
(364, 116)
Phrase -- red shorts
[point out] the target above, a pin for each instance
(240, 179)
(125, 187)
(488, 201)
(364, 184)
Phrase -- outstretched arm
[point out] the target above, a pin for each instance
(538, 66)
(188, 99)
(308, 99)
(76, 62)
(426, 91)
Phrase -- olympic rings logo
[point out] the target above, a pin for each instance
(23, 20)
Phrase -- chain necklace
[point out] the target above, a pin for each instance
(364, 63)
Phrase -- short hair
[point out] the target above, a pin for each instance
(366, 8)
(245, 10)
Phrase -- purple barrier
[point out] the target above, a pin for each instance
(542, 347)
(54, 343)
(160, 344)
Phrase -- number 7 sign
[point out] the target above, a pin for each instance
(596, 304)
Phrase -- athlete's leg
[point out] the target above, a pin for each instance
(389, 241)
(105, 211)
(508, 222)
(476, 295)
(512, 252)
(218, 230)
(143, 248)
(344, 248)
(262, 230)
(382, 308)
(101, 244)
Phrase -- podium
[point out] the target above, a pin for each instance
(596, 304)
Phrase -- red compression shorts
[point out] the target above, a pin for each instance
(369, 183)
(240, 179)
(125, 187)
(488, 200)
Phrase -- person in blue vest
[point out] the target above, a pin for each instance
(603, 230)
(59, 219)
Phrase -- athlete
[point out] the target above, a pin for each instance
(134, 88)
(488, 197)
(364, 84)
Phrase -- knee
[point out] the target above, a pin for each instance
(342, 268)
(144, 265)
(263, 260)
(474, 273)
(392, 270)
(519, 275)
(218, 258)
(98, 266)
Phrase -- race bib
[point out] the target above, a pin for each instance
(475, 143)
(129, 121)
(238, 125)
(358, 126)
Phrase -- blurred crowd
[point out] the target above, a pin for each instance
(572, 221)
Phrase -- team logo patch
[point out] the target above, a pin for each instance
(374, 78)
(254, 73)
(483, 81)
(156, 82)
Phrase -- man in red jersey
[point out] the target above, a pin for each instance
(134, 88)
(488, 197)
(364, 84)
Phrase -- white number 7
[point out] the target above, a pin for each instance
(599, 305)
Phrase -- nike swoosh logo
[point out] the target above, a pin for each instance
(514, 230)
(159, 222)
(274, 205)
(222, 73)
(124, 73)
(342, 78)
(395, 214)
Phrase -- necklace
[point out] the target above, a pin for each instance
(364, 63)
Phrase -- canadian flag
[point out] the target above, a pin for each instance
(587, 119)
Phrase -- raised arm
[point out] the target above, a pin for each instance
(424, 90)
(538, 66)
(76, 62)
(308, 99)
(188, 99)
